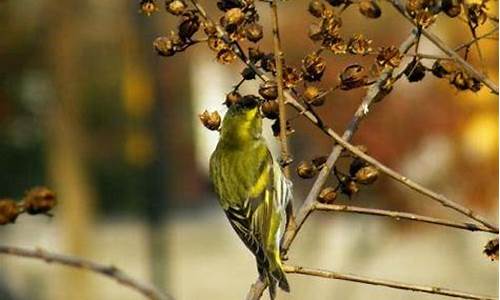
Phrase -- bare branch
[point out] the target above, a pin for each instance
(109, 271)
(278, 56)
(447, 50)
(401, 215)
(386, 283)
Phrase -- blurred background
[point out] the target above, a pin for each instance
(88, 109)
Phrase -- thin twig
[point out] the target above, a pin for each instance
(401, 215)
(385, 283)
(447, 50)
(482, 36)
(109, 271)
(278, 57)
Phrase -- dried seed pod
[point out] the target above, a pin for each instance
(8, 211)
(337, 2)
(352, 77)
(209, 28)
(268, 90)
(327, 195)
(313, 67)
(268, 63)
(216, 44)
(188, 26)
(312, 96)
(175, 7)
(210, 120)
(316, 8)
(338, 46)
(248, 73)
(270, 109)
(320, 161)
(348, 187)
(442, 68)
(148, 7)
(225, 5)
(460, 80)
(369, 9)
(315, 32)
(356, 165)
(39, 200)
(226, 56)
(425, 18)
(164, 46)
(474, 84)
(254, 54)
(276, 128)
(477, 14)
(331, 25)
(389, 56)
(232, 98)
(415, 71)
(306, 170)
(290, 77)
(254, 32)
(234, 16)
(452, 8)
(491, 249)
(366, 175)
(359, 45)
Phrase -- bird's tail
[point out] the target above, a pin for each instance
(275, 276)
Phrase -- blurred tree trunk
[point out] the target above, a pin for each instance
(65, 144)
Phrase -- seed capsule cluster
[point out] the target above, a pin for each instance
(38, 200)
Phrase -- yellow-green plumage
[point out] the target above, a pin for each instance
(252, 189)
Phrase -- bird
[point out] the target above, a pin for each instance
(252, 189)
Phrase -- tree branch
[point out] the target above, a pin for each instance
(447, 50)
(401, 215)
(386, 283)
(109, 271)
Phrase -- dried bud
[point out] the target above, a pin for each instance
(188, 26)
(331, 25)
(232, 98)
(313, 67)
(316, 8)
(270, 109)
(209, 28)
(366, 175)
(452, 8)
(248, 73)
(306, 170)
(477, 13)
(312, 96)
(338, 46)
(491, 249)
(268, 90)
(148, 7)
(175, 7)
(254, 32)
(369, 9)
(216, 44)
(8, 211)
(210, 120)
(442, 68)
(39, 200)
(225, 5)
(352, 77)
(389, 56)
(359, 45)
(164, 46)
(233, 17)
(327, 195)
(315, 32)
(415, 71)
(226, 56)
